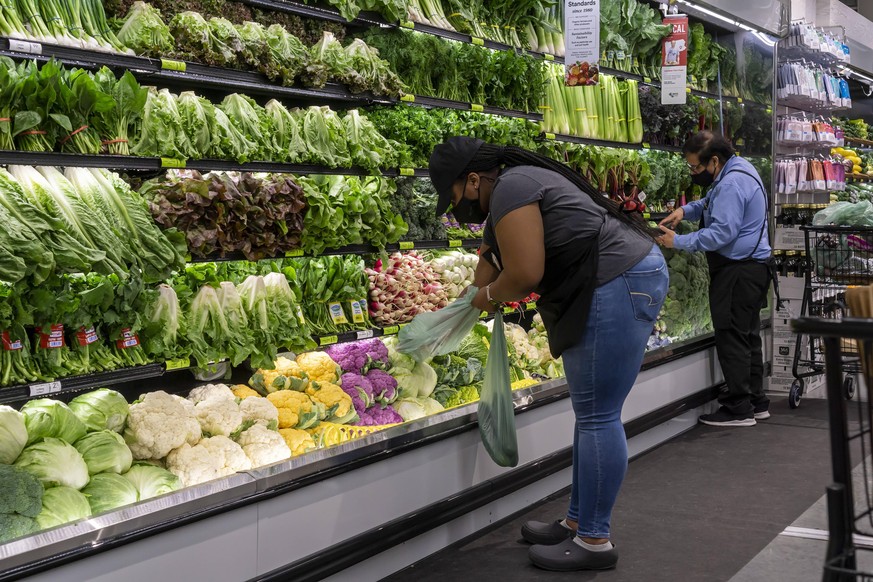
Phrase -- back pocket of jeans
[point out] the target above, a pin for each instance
(647, 291)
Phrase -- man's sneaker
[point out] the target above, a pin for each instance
(762, 411)
(724, 417)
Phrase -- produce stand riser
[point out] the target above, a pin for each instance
(374, 479)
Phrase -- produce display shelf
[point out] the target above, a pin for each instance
(611, 144)
(472, 243)
(436, 102)
(858, 140)
(301, 9)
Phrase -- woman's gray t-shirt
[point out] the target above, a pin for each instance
(569, 215)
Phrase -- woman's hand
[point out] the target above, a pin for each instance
(673, 219)
(481, 302)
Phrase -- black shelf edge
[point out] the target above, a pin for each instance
(610, 144)
(76, 383)
(301, 10)
(447, 244)
(436, 102)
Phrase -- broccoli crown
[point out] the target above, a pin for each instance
(13, 525)
(20, 502)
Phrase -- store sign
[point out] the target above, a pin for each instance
(674, 62)
(582, 38)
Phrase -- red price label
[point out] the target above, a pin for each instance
(9, 344)
(86, 337)
(52, 340)
(128, 340)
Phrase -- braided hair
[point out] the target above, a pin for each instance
(491, 156)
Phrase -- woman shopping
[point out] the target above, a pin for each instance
(602, 281)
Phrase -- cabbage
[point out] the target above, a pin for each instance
(13, 434)
(54, 462)
(104, 452)
(101, 409)
(151, 481)
(415, 408)
(419, 382)
(45, 417)
(109, 490)
(62, 505)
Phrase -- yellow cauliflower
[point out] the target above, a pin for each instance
(287, 375)
(337, 403)
(243, 391)
(296, 409)
(299, 441)
(319, 367)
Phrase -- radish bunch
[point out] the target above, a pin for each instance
(456, 270)
(402, 287)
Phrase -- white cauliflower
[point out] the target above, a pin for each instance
(211, 392)
(158, 424)
(218, 417)
(229, 456)
(260, 411)
(264, 446)
(193, 465)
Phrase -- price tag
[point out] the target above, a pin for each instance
(294, 253)
(477, 41)
(23, 46)
(45, 388)
(402, 325)
(483, 315)
(337, 314)
(453, 244)
(390, 330)
(362, 335)
(179, 364)
(328, 340)
(407, 245)
(740, 142)
(173, 65)
(407, 171)
(357, 311)
(769, 111)
(739, 99)
(549, 57)
(550, 136)
(476, 107)
(9, 344)
(128, 340)
(408, 24)
(646, 146)
(647, 79)
(508, 310)
(688, 89)
(408, 98)
(531, 306)
(172, 163)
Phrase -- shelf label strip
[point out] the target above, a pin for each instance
(172, 163)
(179, 364)
(45, 388)
(328, 340)
(173, 65)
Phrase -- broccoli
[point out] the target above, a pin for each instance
(20, 503)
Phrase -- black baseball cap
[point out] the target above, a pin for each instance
(447, 162)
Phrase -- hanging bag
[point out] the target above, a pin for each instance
(496, 411)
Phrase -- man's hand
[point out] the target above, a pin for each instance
(673, 219)
(666, 239)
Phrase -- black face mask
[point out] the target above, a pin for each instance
(469, 211)
(703, 179)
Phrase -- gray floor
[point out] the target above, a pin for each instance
(708, 506)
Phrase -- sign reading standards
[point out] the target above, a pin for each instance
(582, 38)
(674, 62)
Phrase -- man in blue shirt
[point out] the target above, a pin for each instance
(734, 235)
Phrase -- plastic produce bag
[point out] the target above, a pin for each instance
(845, 214)
(496, 411)
(438, 333)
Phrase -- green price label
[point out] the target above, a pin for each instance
(646, 146)
(476, 107)
(407, 172)
(508, 310)
(171, 65)
(402, 325)
(180, 364)
(550, 136)
(769, 111)
(328, 340)
(483, 315)
(391, 330)
(407, 245)
(408, 98)
(688, 89)
(294, 253)
(549, 57)
(477, 41)
(453, 244)
(647, 79)
(172, 163)
(531, 306)
(739, 99)
(408, 24)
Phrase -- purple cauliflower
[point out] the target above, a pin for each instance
(384, 386)
(360, 389)
(358, 357)
(378, 416)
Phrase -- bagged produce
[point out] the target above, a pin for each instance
(438, 333)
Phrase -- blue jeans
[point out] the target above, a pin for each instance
(601, 370)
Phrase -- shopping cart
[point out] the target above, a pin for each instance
(850, 512)
(837, 257)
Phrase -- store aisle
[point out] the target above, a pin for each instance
(699, 508)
